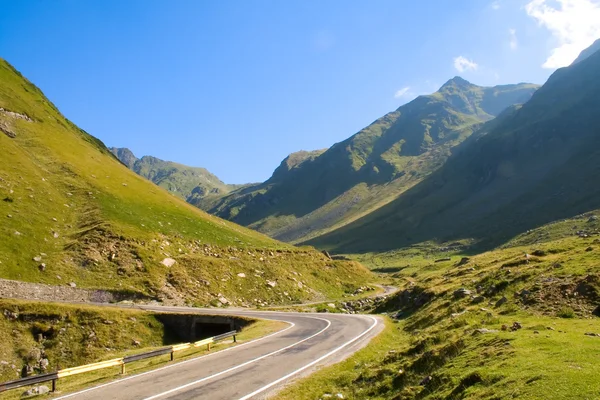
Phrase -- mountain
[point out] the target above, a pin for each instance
(588, 52)
(538, 164)
(126, 156)
(73, 215)
(312, 193)
(189, 183)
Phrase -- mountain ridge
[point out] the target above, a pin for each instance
(528, 170)
(353, 176)
(188, 183)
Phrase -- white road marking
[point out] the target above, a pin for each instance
(270, 385)
(156, 396)
(179, 363)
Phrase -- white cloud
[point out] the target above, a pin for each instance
(495, 5)
(513, 41)
(463, 64)
(405, 91)
(575, 24)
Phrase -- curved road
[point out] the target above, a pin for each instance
(252, 370)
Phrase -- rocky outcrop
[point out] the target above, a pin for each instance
(39, 291)
(5, 123)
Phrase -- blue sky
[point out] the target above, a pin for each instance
(235, 86)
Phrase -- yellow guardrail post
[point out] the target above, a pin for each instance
(89, 367)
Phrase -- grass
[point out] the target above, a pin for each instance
(68, 340)
(550, 281)
(65, 198)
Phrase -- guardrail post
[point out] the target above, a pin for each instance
(53, 385)
(123, 369)
(208, 346)
(172, 353)
(234, 339)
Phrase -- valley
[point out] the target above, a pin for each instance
(447, 250)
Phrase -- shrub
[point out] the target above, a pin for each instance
(566, 312)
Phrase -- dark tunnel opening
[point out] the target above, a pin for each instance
(205, 330)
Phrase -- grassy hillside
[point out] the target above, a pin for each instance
(534, 166)
(66, 335)
(72, 213)
(326, 190)
(450, 334)
(189, 183)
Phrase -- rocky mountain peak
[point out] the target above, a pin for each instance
(457, 83)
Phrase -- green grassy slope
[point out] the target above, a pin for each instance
(535, 166)
(370, 168)
(189, 183)
(68, 203)
(547, 280)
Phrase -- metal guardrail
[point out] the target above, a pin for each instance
(54, 376)
(30, 380)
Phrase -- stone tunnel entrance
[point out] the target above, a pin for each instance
(190, 328)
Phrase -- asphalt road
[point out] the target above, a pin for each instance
(387, 290)
(253, 370)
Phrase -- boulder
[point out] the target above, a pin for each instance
(462, 292)
(425, 380)
(10, 315)
(477, 299)
(501, 301)
(44, 364)
(485, 330)
(7, 131)
(168, 262)
(36, 390)
(463, 261)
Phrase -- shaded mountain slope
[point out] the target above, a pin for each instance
(329, 189)
(71, 213)
(539, 164)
